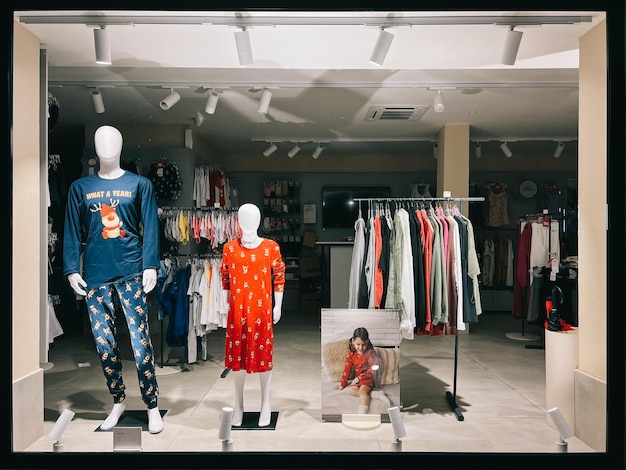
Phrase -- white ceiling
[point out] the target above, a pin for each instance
(316, 64)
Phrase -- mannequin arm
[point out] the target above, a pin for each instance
(77, 283)
(278, 305)
(149, 279)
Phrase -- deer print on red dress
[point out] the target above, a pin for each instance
(110, 220)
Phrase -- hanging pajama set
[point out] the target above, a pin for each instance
(114, 225)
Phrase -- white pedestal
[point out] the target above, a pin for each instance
(561, 355)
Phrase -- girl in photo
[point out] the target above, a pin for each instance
(360, 368)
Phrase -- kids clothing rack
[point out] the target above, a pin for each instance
(450, 396)
(552, 257)
(174, 278)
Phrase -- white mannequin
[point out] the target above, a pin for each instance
(249, 218)
(108, 144)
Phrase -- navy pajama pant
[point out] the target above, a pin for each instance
(102, 306)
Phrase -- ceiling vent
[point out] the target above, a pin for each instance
(396, 113)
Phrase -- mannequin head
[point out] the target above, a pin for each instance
(108, 142)
(249, 218)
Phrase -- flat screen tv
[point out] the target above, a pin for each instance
(339, 210)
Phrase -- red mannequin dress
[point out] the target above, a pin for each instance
(251, 274)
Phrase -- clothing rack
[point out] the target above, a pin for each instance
(450, 396)
(190, 258)
(550, 217)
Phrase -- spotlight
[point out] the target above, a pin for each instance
(511, 46)
(264, 103)
(506, 150)
(169, 101)
(57, 430)
(565, 432)
(211, 103)
(270, 150)
(438, 106)
(399, 430)
(293, 151)
(244, 49)
(477, 149)
(96, 100)
(381, 48)
(559, 149)
(102, 41)
(199, 119)
(318, 150)
(226, 421)
(435, 150)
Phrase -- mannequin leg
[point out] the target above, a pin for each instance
(240, 380)
(155, 422)
(266, 409)
(114, 416)
(135, 308)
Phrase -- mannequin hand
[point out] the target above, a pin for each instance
(277, 314)
(278, 303)
(149, 279)
(77, 283)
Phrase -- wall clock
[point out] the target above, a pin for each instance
(528, 189)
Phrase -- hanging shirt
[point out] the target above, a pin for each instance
(166, 179)
(498, 211)
(358, 252)
(117, 221)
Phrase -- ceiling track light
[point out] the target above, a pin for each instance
(102, 41)
(96, 100)
(170, 100)
(559, 149)
(270, 150)
(317, 152)
(199, 119)
(477, 149)
(264, 102)
(506, 150)
(294, 150)
(244, 48)
(438, 104)
(383, 43)
(511, 46)
(211, 102)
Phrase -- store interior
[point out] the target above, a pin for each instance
(481, 391)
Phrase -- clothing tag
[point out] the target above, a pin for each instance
(554, 268)
(160, 171)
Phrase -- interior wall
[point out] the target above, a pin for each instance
(27, 376)
(591, 378)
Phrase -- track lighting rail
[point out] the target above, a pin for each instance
(313, 84)
(275, 20)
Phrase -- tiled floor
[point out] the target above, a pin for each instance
(500, 390)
